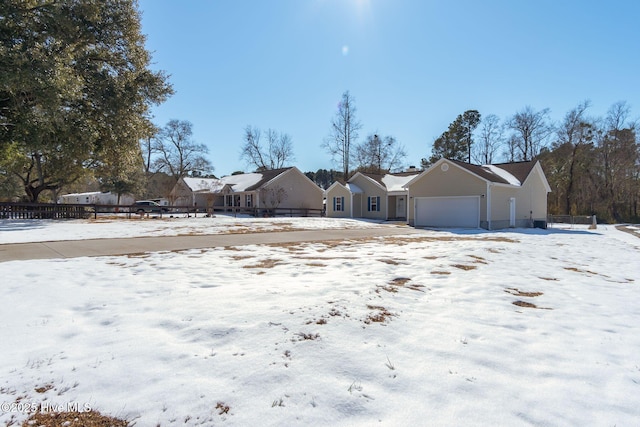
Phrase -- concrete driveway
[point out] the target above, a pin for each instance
(136, 245)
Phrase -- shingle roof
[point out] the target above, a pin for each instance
(267, 176)
(392, 181)
(520, 170)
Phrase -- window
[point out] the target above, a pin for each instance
(229, 200)
(373, 204)
(338, 204)
(249, 200)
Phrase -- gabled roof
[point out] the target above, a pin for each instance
(238, 183)
(203, 184)
(391, 182)
(267, 176)
(502, 173)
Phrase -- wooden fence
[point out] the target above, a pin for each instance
(76, 211)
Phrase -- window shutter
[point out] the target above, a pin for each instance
(334, 203)
(378, 203)
(342, 204)
(369, 203)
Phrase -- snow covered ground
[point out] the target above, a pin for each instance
(457, 327)
(22, 231)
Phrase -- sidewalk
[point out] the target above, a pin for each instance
(136, 245)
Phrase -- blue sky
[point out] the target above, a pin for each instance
(411, 65)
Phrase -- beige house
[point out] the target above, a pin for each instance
(371, 196)
(456, 194)
(286, 188)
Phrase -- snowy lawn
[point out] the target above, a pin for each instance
(521, 327)
(105, 227)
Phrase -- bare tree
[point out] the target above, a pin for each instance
(344, 133)
(619, 151)
(490, 139)
(379, 154)
(177, 153)
(531, 128)
(277, 153)
(271, 197)
(574, 133)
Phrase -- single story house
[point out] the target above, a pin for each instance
(96, 198)
(286, 188)
(371, 196)
(456, 194)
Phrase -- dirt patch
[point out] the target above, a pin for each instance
(578, 270)
(302, 336)
(44, 388)
(265, 263)
(73, 419)
(464, 267)
(222, 408)
(444, 273)
(315, 264)
(379, 315)
(389, 261)
(529, 305)
(553, 279)
(400, 282)
(240, 257)
(519, 293)
(478, 259)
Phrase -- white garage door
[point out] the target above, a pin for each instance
(463, 212)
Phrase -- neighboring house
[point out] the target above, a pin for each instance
(286, 188)
(456, 194)
(96, 198)
(370, 196)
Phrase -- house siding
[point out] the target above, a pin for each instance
(370, 189)
(339, 191)
(302, 193)
(453, 182)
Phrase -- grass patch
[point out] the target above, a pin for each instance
(399, 282)
(389, 261)
(526, 304)
(265, 263)
(73, 419)
(444, 273)
(478, 259)
(464, 267)
(519, 293)
(222, 408)
(380, 314)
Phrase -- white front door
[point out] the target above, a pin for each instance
(401, 207)
(512, 212)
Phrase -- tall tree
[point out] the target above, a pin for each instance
(277, 153)
(177, 153)
(456, 142)
(575, 133)
(344, 133)
(490, 139)
(531, 130)
(619, 151)
(379, 154)
(75, 88)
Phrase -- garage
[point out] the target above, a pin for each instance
(460, 212)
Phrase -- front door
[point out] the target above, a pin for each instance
(401, 207)
(512, 212)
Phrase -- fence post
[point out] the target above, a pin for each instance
(594, 223)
